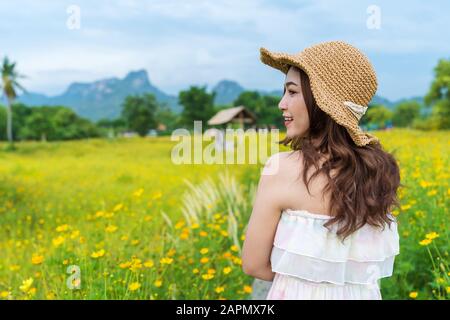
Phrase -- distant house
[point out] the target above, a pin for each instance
(239, 115)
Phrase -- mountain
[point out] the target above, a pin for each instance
(227, 91)
(102, 98)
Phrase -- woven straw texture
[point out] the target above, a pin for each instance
(338, 72)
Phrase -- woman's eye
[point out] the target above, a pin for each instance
(291, 92)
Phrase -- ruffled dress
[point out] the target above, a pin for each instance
(311, 263)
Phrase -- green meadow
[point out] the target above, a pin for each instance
(117, 219)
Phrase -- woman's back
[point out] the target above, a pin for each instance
(309, 260)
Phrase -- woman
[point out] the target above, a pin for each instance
(321, 226)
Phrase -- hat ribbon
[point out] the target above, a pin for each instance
(357, 110)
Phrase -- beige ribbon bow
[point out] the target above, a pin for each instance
(357, 110)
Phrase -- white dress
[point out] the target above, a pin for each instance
(310, 262)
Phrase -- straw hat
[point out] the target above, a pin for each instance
(342, 79)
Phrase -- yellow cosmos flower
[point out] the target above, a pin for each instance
(138, 192)
(207, 276)
(413, 294)
(166, 260)
(425, 242)
(58, 241)
(149, 263)
(226, 270)
(158, 283)
(248, 289)
(432, 235)
(98, 254)
(204, 260)
(37, 259)
(204, 250)
(117, 207)
(111, 228)
(62, 228)
(134, 286)
(219, 289)
(26, 284)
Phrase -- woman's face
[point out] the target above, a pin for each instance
(293, 106)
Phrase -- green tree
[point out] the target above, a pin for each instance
(439, 94)
(198, 105)
(378, 115)
(9, 88)
(265, 108)
(405, 113)
(139, 113)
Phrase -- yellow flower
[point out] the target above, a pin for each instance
(5, 294)
(37, 259)
(432, 192)
(134, 286)
(413, 294)
(135, 242)
(234, 248)
(243, 237)
(65, 261)
(14, 267)
(50, 296)
(98, 254)
(58, 241)
(74, 234)
(171, 252)
(117, 207)
(166, 260)
(219, 289)
(179, 225)
(207, 276)
(226, 270)
(432, 235)
(204, 260)
(138, 192)
(405, 207)
(26, 284)
(148, 264)
(203, 233)
(224, 233)
(211, 271)
(425, 242)
(135, 264)
(248, 289)
(184, 235)
(204, 250)
(158, 283)
(447, 289)
(195, 226)
(195, 271)
(111, 228)
(62, 228)
(125, 265)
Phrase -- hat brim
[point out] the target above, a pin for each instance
(327, 101)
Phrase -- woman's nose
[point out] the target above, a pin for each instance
(282, 104)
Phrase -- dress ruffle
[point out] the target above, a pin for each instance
(304, 248)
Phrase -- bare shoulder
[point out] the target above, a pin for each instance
(283, 164)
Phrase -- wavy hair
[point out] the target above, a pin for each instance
(364, 189)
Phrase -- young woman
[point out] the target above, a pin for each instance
(321, 225)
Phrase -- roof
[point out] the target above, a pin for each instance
(226, 115)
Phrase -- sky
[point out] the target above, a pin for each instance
(182, 43)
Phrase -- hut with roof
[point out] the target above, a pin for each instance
(236, 115)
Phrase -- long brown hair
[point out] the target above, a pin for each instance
(364, 190)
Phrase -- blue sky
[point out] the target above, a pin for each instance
(183, 43)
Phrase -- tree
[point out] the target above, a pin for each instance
(198, 105)
(10, 85)
(139, 113)
(265, 108)
(378, 115)
(405, 113)
(439, 94)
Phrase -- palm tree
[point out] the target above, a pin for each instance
(9, 85)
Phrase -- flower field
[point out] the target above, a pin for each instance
(116, 219)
